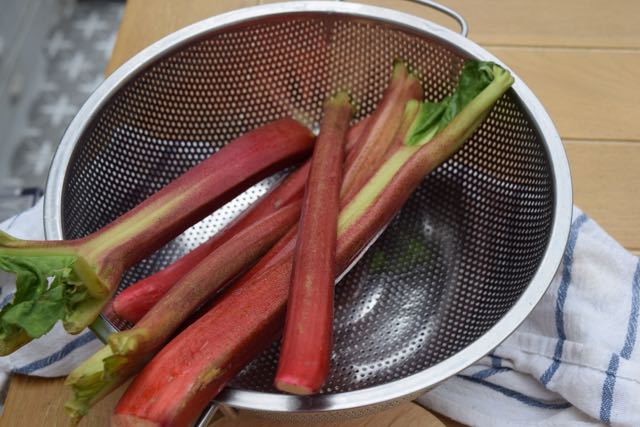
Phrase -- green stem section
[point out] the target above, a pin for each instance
(459, 130)
(99, 377)
(372, 189)
(136, 225)
(381, 129)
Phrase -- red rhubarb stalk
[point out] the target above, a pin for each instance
(306, 347)
(127, 351)
(73, 280)
(355, 132)
(132, 303)
(378, 133)
(188, 372)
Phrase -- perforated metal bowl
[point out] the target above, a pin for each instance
(454, 274)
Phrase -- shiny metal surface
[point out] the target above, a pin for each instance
(464, 27)
(453, 275)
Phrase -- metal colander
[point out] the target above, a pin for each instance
(454, 273)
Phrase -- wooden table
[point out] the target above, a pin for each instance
(580, 57)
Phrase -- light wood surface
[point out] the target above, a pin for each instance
(405, 415)
(580, 57)
(39, 402)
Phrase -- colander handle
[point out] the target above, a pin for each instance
(464, 27)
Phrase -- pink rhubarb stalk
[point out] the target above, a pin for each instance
(377, 135)
(132, 303)
(73, 280)
(196, 365)
(306, 348)
(127, 351)
(135, 301)
(355, 132)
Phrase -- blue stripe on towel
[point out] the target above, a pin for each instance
(58, 355)
(562, 297)
(632, 327)
(625, 353)
(496, 368)
(520, 397)
(607, 389)
(496, 361)
(486, 373)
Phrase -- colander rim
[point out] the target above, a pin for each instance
(397, 389)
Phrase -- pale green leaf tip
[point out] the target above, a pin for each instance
(401, 69)
(419, 134)
(342, 98)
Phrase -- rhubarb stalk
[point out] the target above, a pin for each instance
(136, 300)
(127, 351)
(355, 132)
(73, 280)
(306, 346)
(377, 135)
(188, 372)
(132, 303)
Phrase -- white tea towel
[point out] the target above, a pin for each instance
(573, 360)
(57, 353)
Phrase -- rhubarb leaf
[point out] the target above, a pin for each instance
(39, 300)
(435, 116)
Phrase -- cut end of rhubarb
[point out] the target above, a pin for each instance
(95, 378)
(87, 384)
(400, 69)
(341, 99)
(292, 388)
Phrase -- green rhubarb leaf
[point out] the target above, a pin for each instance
(37, 316)
(39, 300)
(433, 117)
(428, 122)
